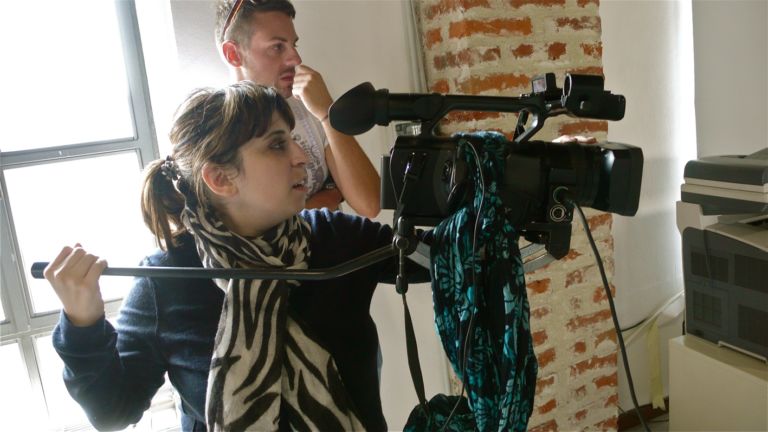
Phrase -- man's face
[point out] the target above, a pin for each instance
(271, 57)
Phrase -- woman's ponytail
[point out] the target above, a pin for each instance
(161, 203)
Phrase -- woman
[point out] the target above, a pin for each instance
(248, 354)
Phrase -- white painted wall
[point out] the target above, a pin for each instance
(349, 42)
(648, 56)
(731, 58)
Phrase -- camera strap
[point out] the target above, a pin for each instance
(413, 357)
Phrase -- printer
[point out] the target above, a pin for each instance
(722, 217)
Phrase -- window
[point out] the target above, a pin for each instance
(75, 134)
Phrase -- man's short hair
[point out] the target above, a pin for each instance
(239, 29)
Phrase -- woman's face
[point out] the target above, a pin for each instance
(271, 185)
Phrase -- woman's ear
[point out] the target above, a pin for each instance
(231, 54)
(219, 180)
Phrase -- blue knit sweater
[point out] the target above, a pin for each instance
(168, 326)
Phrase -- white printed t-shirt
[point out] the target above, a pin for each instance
(309, 134)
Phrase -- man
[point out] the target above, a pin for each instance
(258, 42)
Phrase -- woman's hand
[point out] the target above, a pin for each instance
(74, 275)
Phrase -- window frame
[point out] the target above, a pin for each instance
(22, 325)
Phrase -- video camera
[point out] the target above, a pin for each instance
(424, 180)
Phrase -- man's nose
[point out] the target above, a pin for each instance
(293, 58)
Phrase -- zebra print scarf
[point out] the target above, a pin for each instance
(264, 363)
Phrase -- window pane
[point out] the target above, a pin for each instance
(19, 411)
(79, 93)
(64, 412)
(92, 201)
(2, 311)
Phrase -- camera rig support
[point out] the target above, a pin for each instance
(422, 179)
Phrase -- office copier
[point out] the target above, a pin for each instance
(722, 217)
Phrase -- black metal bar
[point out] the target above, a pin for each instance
(263, 273)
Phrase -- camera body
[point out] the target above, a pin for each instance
(603, 176)
(425, 181)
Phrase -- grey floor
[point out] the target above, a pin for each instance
(658, 424)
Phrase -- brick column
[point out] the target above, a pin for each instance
(494, 47)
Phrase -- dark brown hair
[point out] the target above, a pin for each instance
(210, 127)
(239, 29)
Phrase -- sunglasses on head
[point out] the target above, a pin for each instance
(233, 11)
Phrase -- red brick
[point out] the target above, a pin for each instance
(539, 286)
(583, 127)
(466, 57)
(446, 6)
(506, 26)
(587, 320)
(441, 86)
(580, 347)
(468, 116)
(579, 393)
(582, 23)
(612, 401)
(523, 50)
(556, 50)
(574, 277)
(433, 37)
(476, 85)
(544, 3)
(583, 3)
(543, 383)
(547, 406)
(575, 303)
(546, 357)
(607, 380)
(599, 220)
(572, 254)
(596, 362)
(588, 70)
(608, 424)
(550, 426)
(606, 335)
(539, 337)
(579, 416)
(594, 50)
(599, 294)
(540, 312)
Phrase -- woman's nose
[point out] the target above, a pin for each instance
(298, 156)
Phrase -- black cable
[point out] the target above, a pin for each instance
(568, 199)
(474, 283)
(637, 324)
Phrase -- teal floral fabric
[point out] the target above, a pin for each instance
(485, 298)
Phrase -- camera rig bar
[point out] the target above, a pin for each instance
(362, 107)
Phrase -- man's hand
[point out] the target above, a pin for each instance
(309, 87)
(575, 138)
(74, 275)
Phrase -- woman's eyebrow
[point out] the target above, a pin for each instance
(275, 133)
